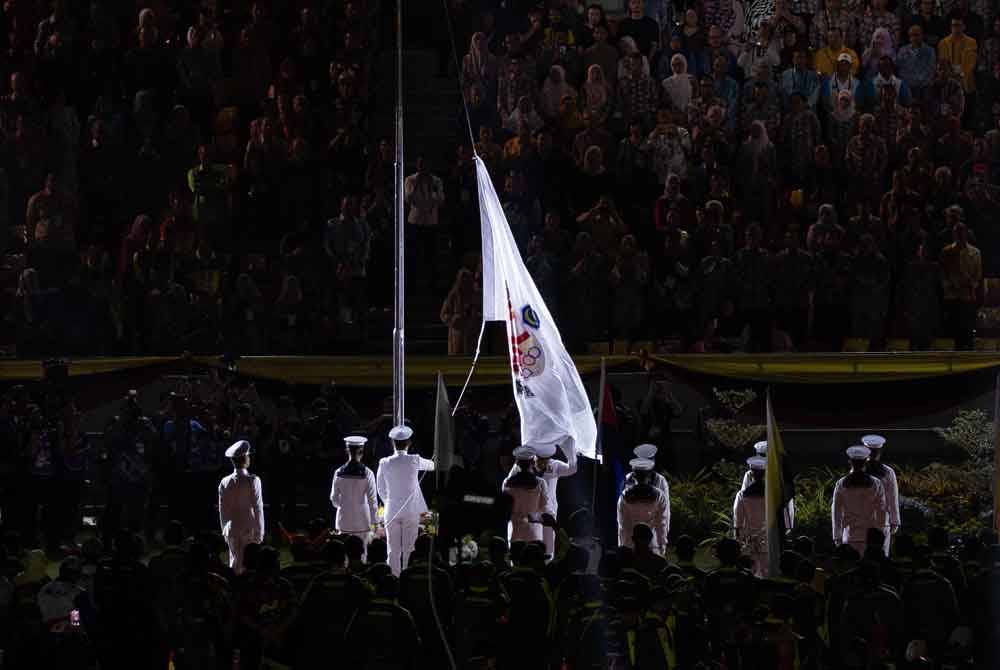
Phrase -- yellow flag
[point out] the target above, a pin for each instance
(777, 492)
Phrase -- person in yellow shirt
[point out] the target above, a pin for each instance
(960, 50)
(962, 281)
(826, 58)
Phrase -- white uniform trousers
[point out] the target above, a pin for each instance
(400, 535)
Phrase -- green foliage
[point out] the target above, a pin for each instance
(728, 431)
(973, 432)
(734, 400)
(813, 496)
(701, 505)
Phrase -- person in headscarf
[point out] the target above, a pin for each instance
(138, 239)
(479, 66)
(526, 112)
(840, 126)
(553, 90)
(678, 87)
(759, 170)
(462, 313)
(596, 94)
(881, 45)
(627, 47)
(826, 223)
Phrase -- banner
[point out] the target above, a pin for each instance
(548, 391)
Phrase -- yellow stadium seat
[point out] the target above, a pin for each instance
(898, 344)
(943, 344)
(986, 343)
(598, 348)
(856, 345)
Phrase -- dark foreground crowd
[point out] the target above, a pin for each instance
(335, 605)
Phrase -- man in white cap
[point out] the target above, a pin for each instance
(399, 488)
(353, 493)
(750, 518)
(551, 471)
(760, 448)
(647, 452)
(885, 474)
(529, 498)
(644, 503)
(858, 502)
(241, 505)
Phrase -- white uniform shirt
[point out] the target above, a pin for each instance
(529, 502)
(891, 487)
(749, 517)
(655, 513)
(399, 488)
(241, 506)
(659, 482)
(354, 495)
(789, 508)
(855, 509)
(554, 470)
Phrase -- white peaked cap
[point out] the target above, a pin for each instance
(400, 433)
(524, 453)
(641, 464)
(544, 450)
(355, 440)
(873, 441)
(757, 463)
(647, 451)
(859, 453)
(237, 449)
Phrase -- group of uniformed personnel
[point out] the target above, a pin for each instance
(865, 498)
(354, 493)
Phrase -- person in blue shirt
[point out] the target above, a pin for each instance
(916, 63)
(800, 79)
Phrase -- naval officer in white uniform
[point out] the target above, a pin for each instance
(241, 505)
(398, 486)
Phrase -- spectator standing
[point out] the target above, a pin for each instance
(962, 279)
(461, 313)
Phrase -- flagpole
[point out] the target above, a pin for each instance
(399, 305)
(599, 450)
(996, 453)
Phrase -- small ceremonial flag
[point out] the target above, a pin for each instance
(444, 431)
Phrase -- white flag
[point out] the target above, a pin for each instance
(444, 432)
(550, 396)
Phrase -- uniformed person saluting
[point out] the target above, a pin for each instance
(750, 518)
(353, 493)
(858, 502)
(885, 474)
(644, 503)
(399, 488)
(241, 506)
(647, 452)
(530, 498)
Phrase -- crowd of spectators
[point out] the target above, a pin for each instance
(182, 174)
(760, 176)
